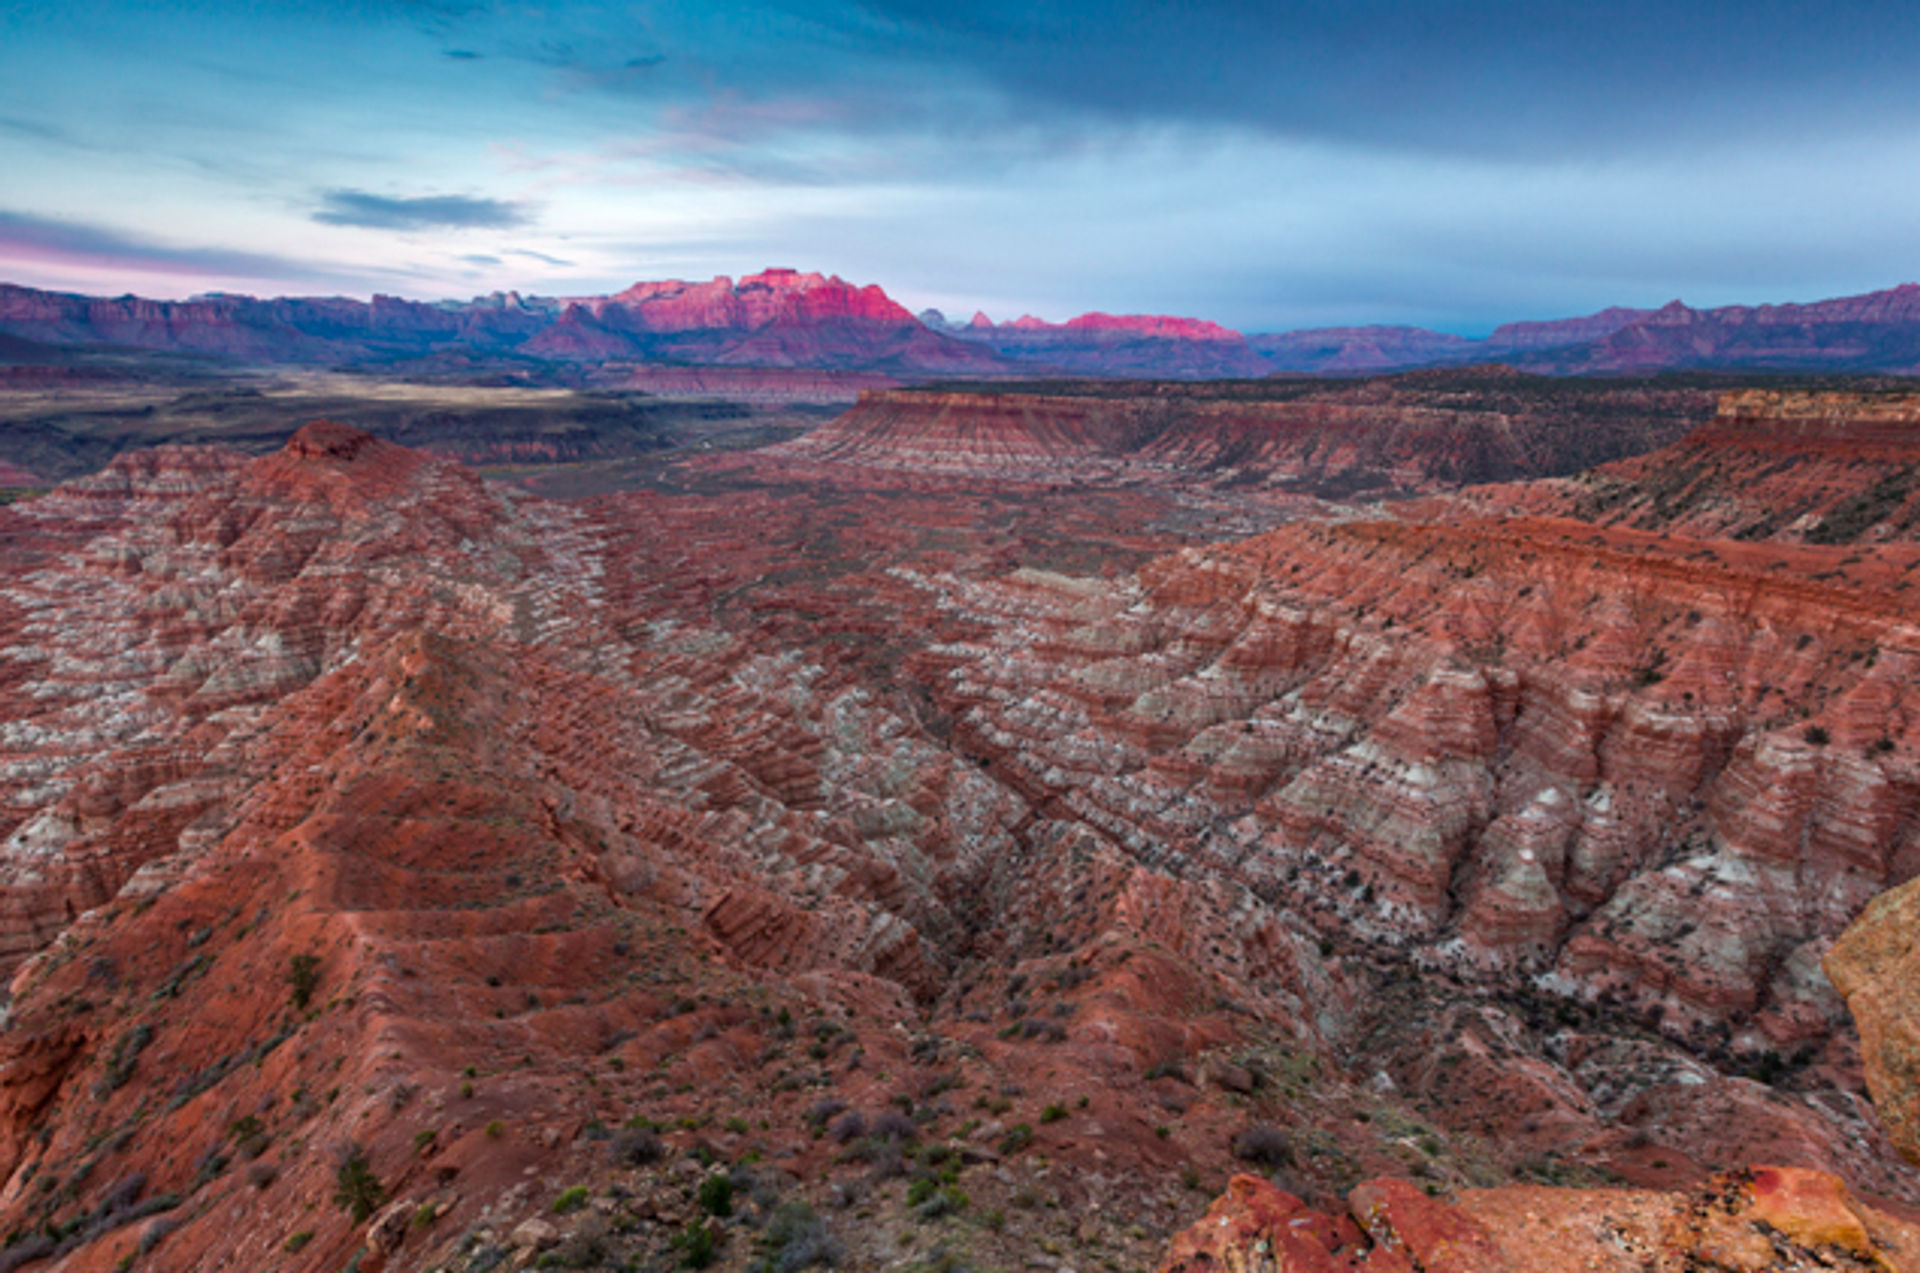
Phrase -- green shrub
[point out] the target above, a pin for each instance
(296, 1241)
(716, 1195)
(303, 976)
(1053, 1113)
(570, 1200)
(1018, 1137)
(696, 1245)
(356, 1189)
(795, 1239)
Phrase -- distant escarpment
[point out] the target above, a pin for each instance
(1813, 467)
(778, 318)
(1412, 434)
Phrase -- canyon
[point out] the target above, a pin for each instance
(1484, 808)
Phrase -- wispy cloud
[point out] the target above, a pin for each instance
(420, 212)
(541, 257)
(30, 240)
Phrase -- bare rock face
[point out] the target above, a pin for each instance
(1876, 967)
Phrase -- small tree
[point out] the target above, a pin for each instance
(356, 1189)
(303, 975)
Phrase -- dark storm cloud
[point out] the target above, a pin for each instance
(1477, 75)
(422, 212)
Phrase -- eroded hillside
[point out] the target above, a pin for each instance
(976, 872)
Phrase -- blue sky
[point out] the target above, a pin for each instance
(1265, 164)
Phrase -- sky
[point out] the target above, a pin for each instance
(1268, 164)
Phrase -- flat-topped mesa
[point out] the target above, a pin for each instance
(1865, 419)
(1163, 326)
(1817, 467)
(1418, 433)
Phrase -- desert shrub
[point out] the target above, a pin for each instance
(303, 978)
(156, 1233)
(1053, 1113)
(716, 1196)
(296, 1241)
(571, 1199)
(931, 1200)
(849, 1127)
(37, 1247)
(1264, 1144)
(1018, 1137)
(636, 1147)
(1817, 735)
(893, 1125)
(824, 1110)
(120, 1064)
(587, 1247)
(795, 1239)
(696, 1245)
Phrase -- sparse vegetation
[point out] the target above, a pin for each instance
(303, 978)
(1263, 1144)
(697, 1245)
(570, 1200)
(796, 1238)
(715, 1195)
(357, 1190)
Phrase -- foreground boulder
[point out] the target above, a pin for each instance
(1876, 967)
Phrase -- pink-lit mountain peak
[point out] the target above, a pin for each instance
(773, 296)
(1161, 326)
(1155, 326)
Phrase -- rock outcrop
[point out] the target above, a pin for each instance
(1876, 967)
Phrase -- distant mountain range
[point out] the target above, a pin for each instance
(785, 319)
